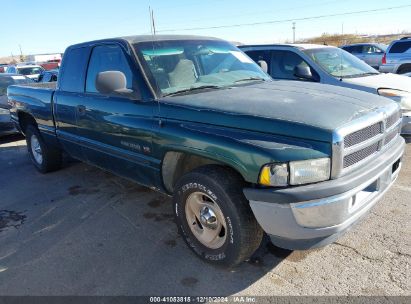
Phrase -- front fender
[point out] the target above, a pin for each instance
(244, 151)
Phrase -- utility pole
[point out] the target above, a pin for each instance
(293, 32)
(21, 54)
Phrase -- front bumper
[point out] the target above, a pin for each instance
(406, 125)
(315, 215)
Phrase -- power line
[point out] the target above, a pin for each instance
(236, 16)
(286, 20)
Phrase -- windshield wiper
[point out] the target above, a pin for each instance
(193, 89)
(360, 75)
(250, 79)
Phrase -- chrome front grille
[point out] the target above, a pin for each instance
(359, 155)
(364, 139)
(359, 136)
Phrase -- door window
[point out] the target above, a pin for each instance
(260, 55)
(107, 58)
(371, 49)
(283, 64)
(354, 49)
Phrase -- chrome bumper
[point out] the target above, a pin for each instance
(318, 222)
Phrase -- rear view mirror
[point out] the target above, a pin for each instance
(263, 64)
(109, 82)
(303, 72)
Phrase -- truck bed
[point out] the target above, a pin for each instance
(36, 99)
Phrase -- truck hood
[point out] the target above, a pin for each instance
(290, 108)
(386, 81)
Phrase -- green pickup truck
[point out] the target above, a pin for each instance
(241, 154)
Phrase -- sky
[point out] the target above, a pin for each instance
(49, 26)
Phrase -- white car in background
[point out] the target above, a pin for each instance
(333, 66)
(31, 71)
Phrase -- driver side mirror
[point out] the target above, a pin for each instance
(303, 72)
(263, 65)
(110, 82)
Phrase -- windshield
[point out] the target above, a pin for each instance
(339, 63)
(30, 71)
(383, 47)
(6, 81)
(180, 66)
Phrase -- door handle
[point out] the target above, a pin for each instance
(81, 109)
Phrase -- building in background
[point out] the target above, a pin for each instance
(47, 61)
(44, 58)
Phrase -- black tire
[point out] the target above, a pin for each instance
(406, 68)
(243, 233)
(51, 156)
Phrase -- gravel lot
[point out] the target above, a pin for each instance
(82, 231)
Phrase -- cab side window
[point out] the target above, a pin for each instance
(107, 58)
(73, 70)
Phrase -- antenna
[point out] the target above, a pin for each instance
(153, 22)
(341, 51)
(153, 34)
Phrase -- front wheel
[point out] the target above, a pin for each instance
(214, 217)
(45, 158)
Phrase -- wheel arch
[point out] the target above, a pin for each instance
(175, 164)
(25, 119)
(404, 67)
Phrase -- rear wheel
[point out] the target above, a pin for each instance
(45, 157)
(405, 68)
(214, 217)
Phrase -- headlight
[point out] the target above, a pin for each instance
(296, 172)
(403, 97)
(309, 171)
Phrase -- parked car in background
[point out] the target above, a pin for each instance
(397, 58)
(370, 53)
(31, 71)
(50, 65)
(48, 76)
(196, 118)
(6, 125)
(3, 68)
(331, 65)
